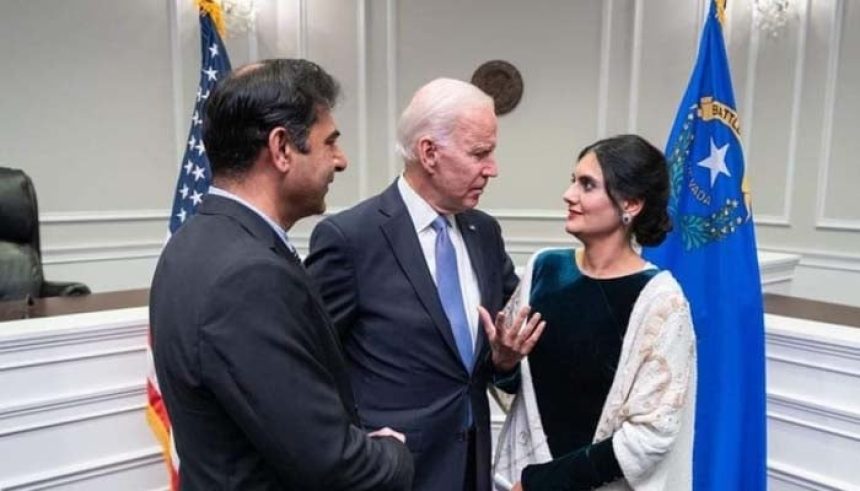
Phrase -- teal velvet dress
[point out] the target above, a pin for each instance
(573, 366)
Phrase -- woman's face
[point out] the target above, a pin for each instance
(591, 213)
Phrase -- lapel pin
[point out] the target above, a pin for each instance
(471, 227)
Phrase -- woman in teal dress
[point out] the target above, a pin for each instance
(606, 397)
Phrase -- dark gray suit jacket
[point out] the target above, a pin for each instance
(404, 363)
(251, 371)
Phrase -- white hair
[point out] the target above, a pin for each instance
(433, 111)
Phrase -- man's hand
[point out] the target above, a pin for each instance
(387, 432)
(511, 342)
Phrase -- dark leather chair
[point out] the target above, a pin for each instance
(20, 250)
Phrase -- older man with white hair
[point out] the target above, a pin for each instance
(403, 275)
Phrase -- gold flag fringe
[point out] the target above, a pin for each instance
(215, 13)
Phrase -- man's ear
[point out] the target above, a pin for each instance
(280, 149)
(428, 153)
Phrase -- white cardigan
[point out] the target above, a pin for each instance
(649, 409)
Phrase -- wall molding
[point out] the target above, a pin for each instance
(253, 42)
(779, 336)
(603, 72)
(813, 366)
(796, 97)
(749, 87)
(391, 83)
(98, 252)
(771, 220)
(776, 268)
(534, 214)
(530, 245)
(106, 216)
(73, 401)
(635, 65)
(62, 421)
(831, 357)
(837, 224)
(302, 31)
(811, 258)
(815, 426)
(834, 50)
(134, 327)
(798, 477)
(88, 470)
(174, 10)
(361, 116)
(783, 405)
(89, 355)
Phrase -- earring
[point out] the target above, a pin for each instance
(626, 218)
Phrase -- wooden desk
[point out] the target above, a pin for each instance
(801, 308)
(782, 305)
(55, 306)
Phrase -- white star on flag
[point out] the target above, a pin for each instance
(213, 49)
(196, 118)
(211, 73)
(184, 191)
(191, 143)
(182, 215)
(188, 167)
(716, 161)
(196, 198)
(199, 173)
(200, 148)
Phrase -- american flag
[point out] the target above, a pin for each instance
(193, 183)
(195, 175)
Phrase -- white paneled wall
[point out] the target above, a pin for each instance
(100, 115)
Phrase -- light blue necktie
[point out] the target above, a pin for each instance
(448, 285)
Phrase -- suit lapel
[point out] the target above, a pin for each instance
(470, 233)
(249, 220)
(399, 231)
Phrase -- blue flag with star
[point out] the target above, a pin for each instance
(712, 252)
(195, 174)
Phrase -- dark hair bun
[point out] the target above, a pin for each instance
(633, 169)
(651, 226)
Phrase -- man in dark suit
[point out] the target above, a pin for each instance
(403, 275)
(251, 370)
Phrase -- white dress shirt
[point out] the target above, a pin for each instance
(422, 215)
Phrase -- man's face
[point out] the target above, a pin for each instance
(311, 173)
(465, 163)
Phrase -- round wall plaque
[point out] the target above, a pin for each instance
(501, 81)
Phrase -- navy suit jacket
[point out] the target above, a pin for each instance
(404, 364)
(251, 370)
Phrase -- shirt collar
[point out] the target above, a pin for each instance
(279, 230)
(419, 209)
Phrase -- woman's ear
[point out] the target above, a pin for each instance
(280, 149)
(632, 207)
